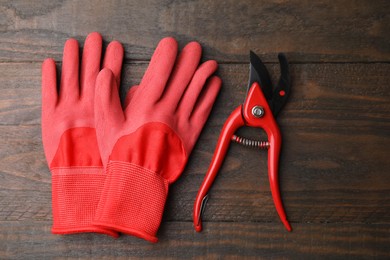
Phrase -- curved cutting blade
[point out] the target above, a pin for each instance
(283, 89)
(259, 73)
(277, 97)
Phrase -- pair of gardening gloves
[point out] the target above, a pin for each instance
(111, 165)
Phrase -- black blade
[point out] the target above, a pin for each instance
(259, 73)
(283, 89)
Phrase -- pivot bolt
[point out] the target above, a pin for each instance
(258, 111)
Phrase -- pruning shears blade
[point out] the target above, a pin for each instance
(259, 73)
(283, 89)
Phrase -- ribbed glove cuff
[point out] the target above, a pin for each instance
(132, 200)
(75, 196)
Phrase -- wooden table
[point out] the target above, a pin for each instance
(335, 166)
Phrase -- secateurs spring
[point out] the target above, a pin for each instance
(260, 108)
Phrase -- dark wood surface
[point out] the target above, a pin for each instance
(335, 167)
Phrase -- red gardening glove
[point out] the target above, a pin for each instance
(69, 136)
(146, 147)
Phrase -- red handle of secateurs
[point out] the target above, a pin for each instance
(275, 141)
(255, 98)
(234, 122)
(236, 119)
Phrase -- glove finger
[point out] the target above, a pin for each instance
(130, 95)
(193, 91)
(49, 85)
(69, 89)
(107, 101)
(108, 111)
(90, 64)
(205, 101)
(159, 69)
(184, 69)
(113, 60)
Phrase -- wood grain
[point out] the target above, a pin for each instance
(311, 31)
(323, 95)
(178, 240)
(335, 170)
(311, 169)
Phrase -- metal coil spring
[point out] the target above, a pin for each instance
(250, 143)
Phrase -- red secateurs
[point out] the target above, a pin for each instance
(261, 106)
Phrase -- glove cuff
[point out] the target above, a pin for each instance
(132, 200)
(75, 196)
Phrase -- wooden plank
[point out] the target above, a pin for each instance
(26, 240)
(334, 165)
(323, 95)
(319, 31)
(320, 181)
(20, 96)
